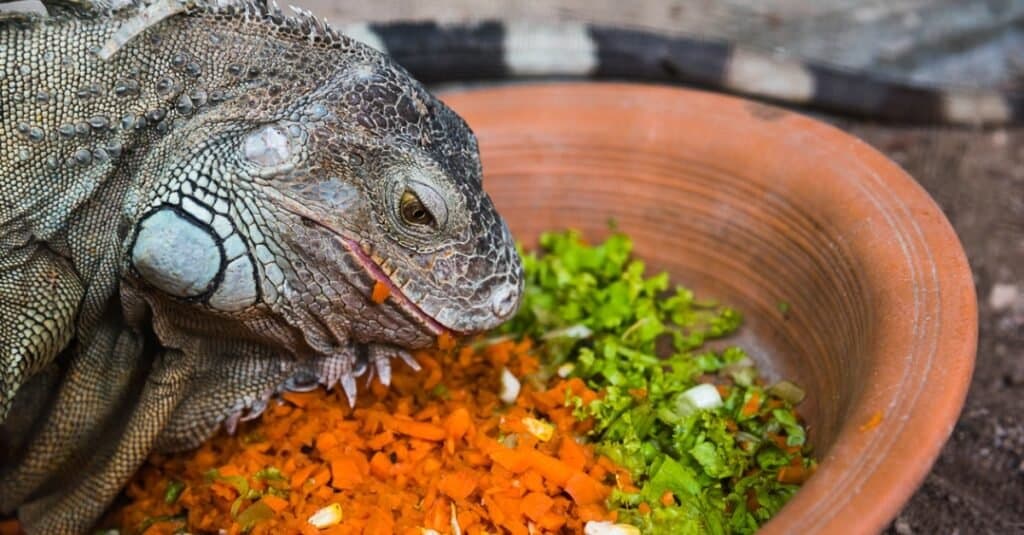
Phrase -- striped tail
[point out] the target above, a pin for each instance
(501, 50)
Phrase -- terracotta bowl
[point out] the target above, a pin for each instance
(756, 206)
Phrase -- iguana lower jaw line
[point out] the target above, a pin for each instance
(373, 269)
(395, 293)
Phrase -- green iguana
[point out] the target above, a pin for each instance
(196, 203)
(199, 196)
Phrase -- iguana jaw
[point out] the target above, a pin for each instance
(378, 274)
(371, 267)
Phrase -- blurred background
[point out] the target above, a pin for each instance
(977, 176)
(946, 42)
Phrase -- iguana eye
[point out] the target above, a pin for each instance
(413, 211)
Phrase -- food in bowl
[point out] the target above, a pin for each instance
(601, 407)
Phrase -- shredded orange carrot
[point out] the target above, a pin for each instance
(752, 405)
(794, 475)
(445, 341)
(275, 503)
(10, 527)
(380, 292)
(873, 422)
(585, 490)
(434, 444)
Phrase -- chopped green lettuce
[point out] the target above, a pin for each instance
(624, 332)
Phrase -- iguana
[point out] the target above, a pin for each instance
(201, 204)
(199, 199)
(500, 50)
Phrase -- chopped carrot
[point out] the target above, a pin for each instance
(572, 453)
(380, 465)
(445, 341)
(326, 441)
(380, 523)
(458, 423)
(380, 292)
(300, 399)
(794, 475)
(873, 422)
(345, 474)
(420, 430)
(457, 485)
(638, 393)
(551, 468)
(401, 460)
(536, 505)
(275, 503)
(10, 527)
(752, 405)
(752, 503)
(511, 460)
(584, 489)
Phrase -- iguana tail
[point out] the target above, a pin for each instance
(500, 50)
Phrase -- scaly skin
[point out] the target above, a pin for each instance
(198, 223)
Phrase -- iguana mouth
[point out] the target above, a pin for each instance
(396, 293)
(371, 267)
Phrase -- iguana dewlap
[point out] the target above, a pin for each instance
(196, 204)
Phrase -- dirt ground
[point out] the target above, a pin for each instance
(977, 485)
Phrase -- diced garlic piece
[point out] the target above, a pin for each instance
(456, 529)
(703, 397)
(509, 387)
(539, 428)
(565, 369)
(326, 517)
(608, 528)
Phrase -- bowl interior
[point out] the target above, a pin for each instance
(851, 281)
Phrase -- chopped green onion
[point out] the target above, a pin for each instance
(174, 490)
(787, 391)
(254, 514)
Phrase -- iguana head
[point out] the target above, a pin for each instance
(347, 205)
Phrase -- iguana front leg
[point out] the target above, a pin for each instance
(74, 508)
(235, 380)
(39, 296)
(232, 380)
(102, 377)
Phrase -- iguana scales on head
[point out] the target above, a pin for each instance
(198, 198)
(194, 216)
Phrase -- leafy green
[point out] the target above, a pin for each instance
(593, 307)
(254, 514)
(174, 490)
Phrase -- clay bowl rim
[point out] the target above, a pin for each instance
(912, 444)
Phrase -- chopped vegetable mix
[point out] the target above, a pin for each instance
(596, 408)
(396, 464)
(711, 449)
